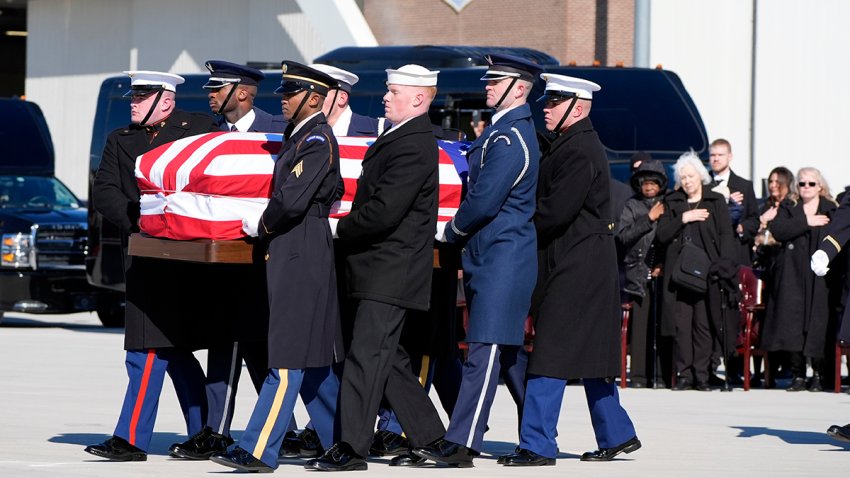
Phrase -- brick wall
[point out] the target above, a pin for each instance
(566, 29)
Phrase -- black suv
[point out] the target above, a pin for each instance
(42, 224)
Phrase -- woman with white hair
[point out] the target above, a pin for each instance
(697, 231)
(799, 305)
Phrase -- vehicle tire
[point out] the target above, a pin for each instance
(111, 312)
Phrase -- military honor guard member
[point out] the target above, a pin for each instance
(388, 242)
(344, 121)
(158, 333)
(304, 334)
(499, 258)
(232, 89)
(304, 331)
(576, 299)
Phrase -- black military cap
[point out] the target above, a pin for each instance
(297, 77)
(223, 73)
(509, 66)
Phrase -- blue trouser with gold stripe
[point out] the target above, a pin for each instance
(543, 397)
(224, 367)
(478, 389)
(146, 371)
(319, 389)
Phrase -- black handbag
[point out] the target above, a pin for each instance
(691, 269)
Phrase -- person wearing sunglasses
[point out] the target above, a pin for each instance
(799, 306)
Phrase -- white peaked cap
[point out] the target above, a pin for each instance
(569, 86)
(141, 79)
(412, 75)
(337, 74)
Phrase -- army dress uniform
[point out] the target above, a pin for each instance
(160, 324)
(304, 336)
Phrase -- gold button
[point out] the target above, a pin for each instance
(267, 256)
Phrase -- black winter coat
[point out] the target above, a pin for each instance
(576, 302)
(716, 235)
(304, 325)
(636, 235)
(799, 308)
(388, 237)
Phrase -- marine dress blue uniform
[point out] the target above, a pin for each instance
(499, 266)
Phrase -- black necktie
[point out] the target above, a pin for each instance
(233, 128)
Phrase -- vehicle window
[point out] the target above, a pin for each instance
(35, 192)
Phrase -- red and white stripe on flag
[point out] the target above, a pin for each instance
(208, 186)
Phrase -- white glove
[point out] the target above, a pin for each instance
(820, 263)
(249, 226)
(441, 232)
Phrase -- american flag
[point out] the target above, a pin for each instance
(208, 186)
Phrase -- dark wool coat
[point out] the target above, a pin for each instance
(744, 242)
(576, 302)
(799, 309)
(163, 300)
(388, 237)
(304, 326)
(494, 224)
(716, 235)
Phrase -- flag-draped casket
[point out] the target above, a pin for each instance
(216, 185)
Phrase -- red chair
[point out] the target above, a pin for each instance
(841, 348)
(624, 341)
(749, 334)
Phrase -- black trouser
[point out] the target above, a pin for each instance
(377, 366)
(642, 339)
(692, 347)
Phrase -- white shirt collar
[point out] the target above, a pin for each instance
(723, 177)
(502, 113)
(343, 122)
(299, 125)
(397, 126)
(244, 123)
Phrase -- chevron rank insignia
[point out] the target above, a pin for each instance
(298, 169)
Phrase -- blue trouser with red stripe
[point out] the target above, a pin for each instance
(319, 390)
(146, 371)
(543, 397)
(478, 389)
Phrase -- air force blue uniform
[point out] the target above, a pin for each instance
(499, 260)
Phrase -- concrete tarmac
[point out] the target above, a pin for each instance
(62, 379)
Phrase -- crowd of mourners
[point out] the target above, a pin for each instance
(682, 242)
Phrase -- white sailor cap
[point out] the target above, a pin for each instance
(345, 79)
(143, 82)
(412, 75)
(567, 87)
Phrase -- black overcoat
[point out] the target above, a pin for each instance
(717, 237)
(799, 308)
(388, 237)
(576, 301)
(304, 327)
(163, 300)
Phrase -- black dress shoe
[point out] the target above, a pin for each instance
(608, 454)
(201, 445)
(683, 384)
(407, 459)
(815, 385)
(840, 433)
(117, 449)
(388, 443)
(525, 457)
(444, 451)
(798, 384)
(703, 387)
(340, 457)
(311, 445)
(290, 447)
(241, 460)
